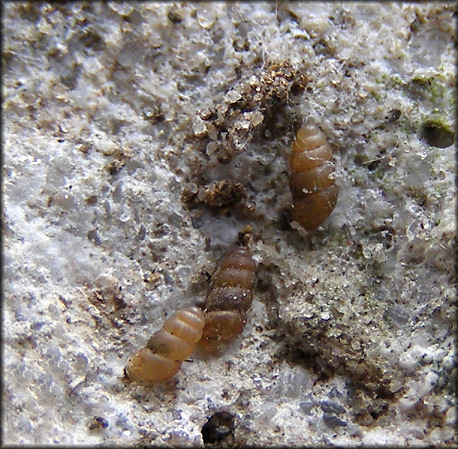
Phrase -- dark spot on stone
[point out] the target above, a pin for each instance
(116, 167)
(197, 221)
(89, 38)
(161, 230)
(93, 237)
(241, 44)
(98, 423)
(322, 48)
(174, 17)
(384, 392)
(334, 393)
(264, 281)
(436, 134)
(332, 421)
(141, 233)
(332, 407)
(37, 326)
(70, 75)
(284, 220)
(378, 410)
(393, 115)
(118, 301)
(373, 165)
(91, 200)
(219, 428)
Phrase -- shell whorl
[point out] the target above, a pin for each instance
(312, 184)
(229, 299)
(168, 347)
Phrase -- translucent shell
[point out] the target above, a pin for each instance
(168, 347)
(312, 184)
(229, 299)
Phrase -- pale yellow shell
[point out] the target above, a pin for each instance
(168, 347)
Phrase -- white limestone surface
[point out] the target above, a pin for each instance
(113, 111)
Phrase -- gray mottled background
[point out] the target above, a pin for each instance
(140, 139)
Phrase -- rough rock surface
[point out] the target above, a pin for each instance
(140, 139)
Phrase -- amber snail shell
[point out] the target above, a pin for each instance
(229, 299)
(312, 183)
(168, 347)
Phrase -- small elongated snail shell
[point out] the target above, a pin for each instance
(168, 347)
(314, 190)
(229, 299)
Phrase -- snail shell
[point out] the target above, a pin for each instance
(312, 184)
(229, 299)
(168, 347)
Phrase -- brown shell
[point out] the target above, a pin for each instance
(168, 347)
(314, 189)
(229, 299)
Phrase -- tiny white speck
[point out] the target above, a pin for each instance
(124, 217)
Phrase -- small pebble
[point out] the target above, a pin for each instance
(306, 407)
(332, 407)
(332, 421)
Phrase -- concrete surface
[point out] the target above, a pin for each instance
(140, 139)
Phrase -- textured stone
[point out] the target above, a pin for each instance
(111, 109)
